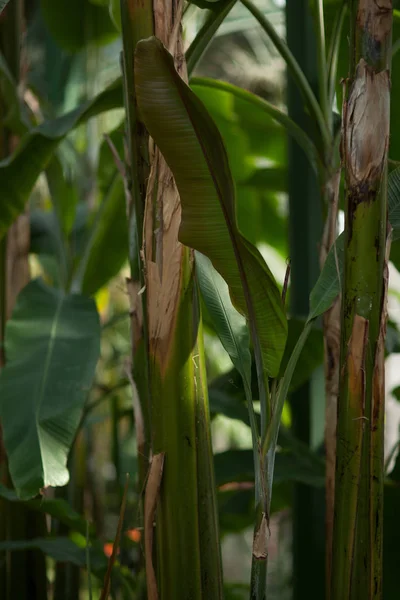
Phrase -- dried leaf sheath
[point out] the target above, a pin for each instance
(187, 539)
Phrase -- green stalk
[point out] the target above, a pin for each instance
(305, 232)
(187, 537)
(137, 23)
(357, 542)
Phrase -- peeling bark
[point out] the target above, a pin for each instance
(366, 130)
(163, 253)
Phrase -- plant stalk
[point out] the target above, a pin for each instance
(358, 520)
(305, 232)
(137, 23)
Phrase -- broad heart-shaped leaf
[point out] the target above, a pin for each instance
(19, 172)
(193, 148)
(52, 346)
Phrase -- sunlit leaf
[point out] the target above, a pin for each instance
(52, 346)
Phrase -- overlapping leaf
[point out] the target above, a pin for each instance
(19, 172)
(52, 346)
(193, 148)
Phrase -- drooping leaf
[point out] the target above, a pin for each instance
(193, 148)
(19, 172)
(52, 346)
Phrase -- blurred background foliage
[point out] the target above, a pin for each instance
(67, 60)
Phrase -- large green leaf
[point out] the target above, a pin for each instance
(52, 346)
(193, 148)
(75, 23)
(19, 172)
(58, 508)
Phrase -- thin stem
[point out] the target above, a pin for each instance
(206, 33)
(295, 71)
(333, 54)
(322, 66)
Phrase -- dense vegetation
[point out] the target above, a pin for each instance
(199, 224)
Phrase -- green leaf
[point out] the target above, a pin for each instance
(64, 194)
(55, 507)
(62, 549)
(269, 111)
(52, 345)
(229, 325)
(76, 23)
(109, 233)
(311, 357)
(328, 284)
(19, 172)
(14, 117)
(193, 148)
